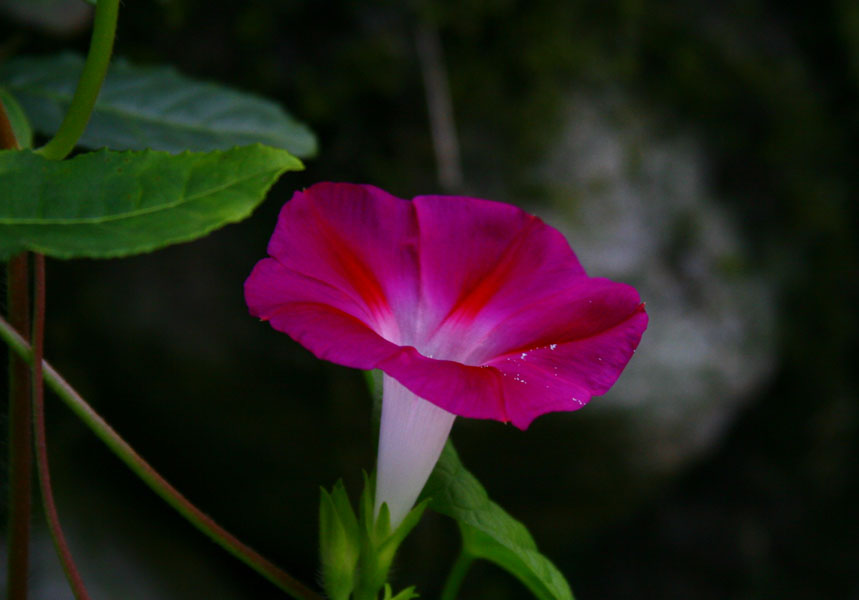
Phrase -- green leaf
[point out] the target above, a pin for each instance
(108, 204)
(490, 533)
(20, 124)
(152, 107)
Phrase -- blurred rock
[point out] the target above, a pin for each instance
(636, 207)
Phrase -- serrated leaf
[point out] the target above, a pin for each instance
(488, 531)
(152, 107)
(17, 118)
(108, 204)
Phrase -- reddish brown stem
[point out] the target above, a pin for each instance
(7, 134)
(152, 478)
(42, 466)
(20, 439)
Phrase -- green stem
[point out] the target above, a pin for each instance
(20, 439)
(50, 508)
(456, 575)
(152, 478)
(92, 76)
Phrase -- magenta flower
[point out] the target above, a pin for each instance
(470, 307)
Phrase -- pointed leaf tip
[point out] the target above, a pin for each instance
(17, 119)
(382, 527)
(489, 532)
(339, 544)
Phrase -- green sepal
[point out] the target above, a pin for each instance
(406, 594)
(388, 548)
(347, 516)
(339, 542)
(380, 547)
(357, 551)
(382, 527)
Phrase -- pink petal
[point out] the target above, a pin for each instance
(508, 324)
(576, 309)
(482, 259)
(563, 376)
(358, 239)
(539, 377)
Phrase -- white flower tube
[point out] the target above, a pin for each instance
(412, 435)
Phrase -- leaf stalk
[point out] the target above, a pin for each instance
(42, 467)
(457, 575)
(89, 84)
(20, 438)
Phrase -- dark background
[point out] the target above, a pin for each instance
(248, 424)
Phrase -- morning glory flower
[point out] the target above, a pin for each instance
(470, 307)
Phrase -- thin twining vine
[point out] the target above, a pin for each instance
(151, 477)
(48, 505)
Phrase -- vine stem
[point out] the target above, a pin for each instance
(457, 575)
(42, 468)
(20, 439)
(21, 451)
(89, 84)
(152, 478)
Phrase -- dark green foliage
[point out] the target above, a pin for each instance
(152, 107)
(770, 90)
